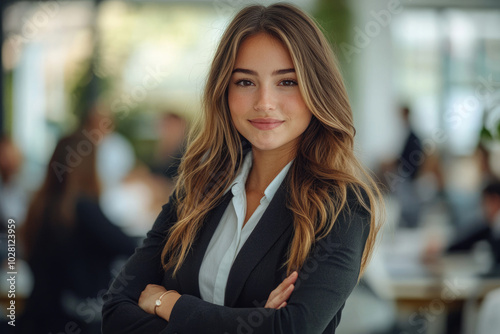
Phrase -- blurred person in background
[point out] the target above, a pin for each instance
(69, 243)
(480, 238)
(115, 154)
(483, 157)
(487, 230)
(13, 198)
(409, 160)
(399, 175)
(130, 191)
(408, 166)
(172, 130)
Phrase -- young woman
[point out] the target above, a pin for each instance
(273, 219)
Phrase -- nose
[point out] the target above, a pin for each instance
(265, 100)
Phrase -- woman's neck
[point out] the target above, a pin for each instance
(266, 165)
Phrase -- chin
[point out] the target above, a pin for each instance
(265, 146)
(261, 146)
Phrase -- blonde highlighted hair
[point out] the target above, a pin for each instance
(325, 167)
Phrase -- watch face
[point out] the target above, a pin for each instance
(158, 302)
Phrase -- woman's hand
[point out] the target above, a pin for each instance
(147, 300)
(278, 297)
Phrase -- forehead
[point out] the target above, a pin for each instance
(263, 51)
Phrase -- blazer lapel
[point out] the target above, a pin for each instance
(189, 272)
(273, 223)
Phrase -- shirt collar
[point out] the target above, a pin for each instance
(238, 185)
(275, 184)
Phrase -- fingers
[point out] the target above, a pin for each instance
(278, 300)
(287, 281)
(280, 295)
(292, 277)
(286, 294)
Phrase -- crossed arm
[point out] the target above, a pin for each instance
(319, 289)
(277, 299)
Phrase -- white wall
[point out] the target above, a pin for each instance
(374, 102)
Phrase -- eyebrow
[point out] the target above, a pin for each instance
(276, 72)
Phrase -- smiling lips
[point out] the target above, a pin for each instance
(266, 123)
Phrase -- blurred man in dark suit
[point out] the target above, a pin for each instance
(488, 231)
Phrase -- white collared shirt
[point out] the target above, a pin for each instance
(230, 235)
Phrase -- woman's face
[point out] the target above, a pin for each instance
(264, 97)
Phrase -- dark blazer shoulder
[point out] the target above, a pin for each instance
(352, 197)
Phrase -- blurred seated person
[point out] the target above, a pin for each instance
(488, 231)
(68, 241)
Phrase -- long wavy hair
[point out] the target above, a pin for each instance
(325, 166)
(71, 172)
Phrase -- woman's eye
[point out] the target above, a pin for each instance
(244, 83)
(288, 83)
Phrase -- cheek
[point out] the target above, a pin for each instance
(299, 112)
(236, 103)
(232, 105)
(236, 110)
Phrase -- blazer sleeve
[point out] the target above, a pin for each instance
(325, 281)
(121, 312)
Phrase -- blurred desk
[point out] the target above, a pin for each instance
(437, 286)
(446, 292)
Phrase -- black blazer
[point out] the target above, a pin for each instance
(324, 283)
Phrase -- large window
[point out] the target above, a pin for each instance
(448, 65)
